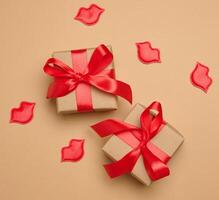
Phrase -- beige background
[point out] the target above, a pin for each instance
(186, 31)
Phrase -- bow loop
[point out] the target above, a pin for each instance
(150, 121)
(100, 59)
(111, 86)
(56, 68)
(65, 79)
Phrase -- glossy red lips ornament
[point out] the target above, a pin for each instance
(74, 151)
(147, 54)
(89, 16)
(23, 114)
(200, 78)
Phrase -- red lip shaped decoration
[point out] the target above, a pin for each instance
(23, 114)
(89, 16)
(147, 54)
(200, 78)
(74, 151)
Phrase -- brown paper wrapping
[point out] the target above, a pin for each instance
(102, 101)
(168, 140)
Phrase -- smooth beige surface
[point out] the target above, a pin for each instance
(168, 140)
(186, 31)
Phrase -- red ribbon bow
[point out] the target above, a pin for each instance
(92, 73)
(154, 159)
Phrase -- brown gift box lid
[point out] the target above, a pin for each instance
(168, 140)
(101, 101)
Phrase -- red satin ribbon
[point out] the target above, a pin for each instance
(83, 91)
(93, 73)
(139, 138)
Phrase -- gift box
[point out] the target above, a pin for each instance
(92, 77)
(163, 144)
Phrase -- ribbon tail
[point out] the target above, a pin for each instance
(111, 86)
(123, 166)
(111, 126)
(155, 167)
(124, 90)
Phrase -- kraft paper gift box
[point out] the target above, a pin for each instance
(168, 140)
(101, 101)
